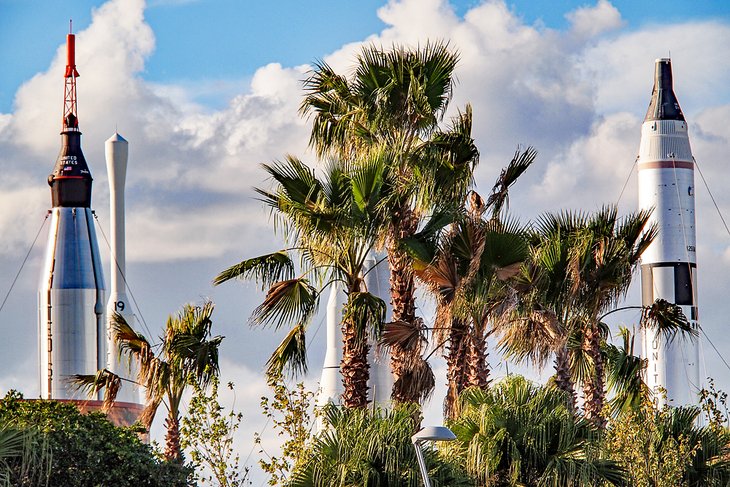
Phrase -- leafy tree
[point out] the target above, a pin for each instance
(289, 410)
(333, 223)
(392, 105)
(370, 447)
(521, 434)
(667, 447)
(85, 450)
(207, 434)
(188, 353)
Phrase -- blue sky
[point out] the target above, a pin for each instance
(206, 91)
(228, 39)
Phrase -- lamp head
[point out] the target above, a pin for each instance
(433, 433)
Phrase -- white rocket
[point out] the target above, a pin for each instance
(116, 152)
(669, 265)
(377, 280)
(72, 326)
(381, 379)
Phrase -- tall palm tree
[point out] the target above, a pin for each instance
(393, 103)
(466, 270)
(581, 267)
(521, 434)
(187, 353)
(333, 223)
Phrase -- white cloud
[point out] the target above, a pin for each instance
(578, 95)
(589, 21)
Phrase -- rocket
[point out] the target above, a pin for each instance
(116, 151)
(376, 277)
(72, 326)
(377, 281)
(330, 384)
(669, 264)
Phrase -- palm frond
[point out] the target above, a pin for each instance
(367, 312)
(130, 342)
(93, 383)
(499, 197)
(290, 354)
(264, 269)
(286, 302)
(667, 319)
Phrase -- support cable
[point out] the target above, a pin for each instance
(124, 278)
(626, 183)
(15, 280)
(707, 187)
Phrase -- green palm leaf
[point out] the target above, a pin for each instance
(290, 301)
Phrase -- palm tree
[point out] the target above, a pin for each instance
(581, 267)
(370, 447)
(333, 223)
(24, 456)
(521, 434)
(187, 354)
(393, 104)
(466, 270)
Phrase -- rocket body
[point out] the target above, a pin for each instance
(330, 385)
(71, 296)
(381, 379)
(377, 281)
(669, 265)
(72, 326)
(116, 151)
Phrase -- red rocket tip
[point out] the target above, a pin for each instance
(71, 56)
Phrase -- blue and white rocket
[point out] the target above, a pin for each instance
(669, 265)
(71, 317)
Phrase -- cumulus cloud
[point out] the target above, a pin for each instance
(590, 21)
(577, 95)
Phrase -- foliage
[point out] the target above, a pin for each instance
(666, 447)
(289, 410)
(207, 434)
(86, 450)
(392, 105)
(332, 221)
(521, 434)
(24, 456)
(370, 447)
(188, 354)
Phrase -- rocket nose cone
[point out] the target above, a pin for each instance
(116, 138)
(663, 104)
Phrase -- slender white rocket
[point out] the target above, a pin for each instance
(669, 265)
(330, 385)
(381, 379)
(116, 150)
(377, 281)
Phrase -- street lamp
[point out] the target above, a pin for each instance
(429, 433)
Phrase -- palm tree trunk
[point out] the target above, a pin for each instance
(562, 374)
(456, 362)
(172, 439)
(354, 367)
(593, 388)
(403, 300)
(477, 364)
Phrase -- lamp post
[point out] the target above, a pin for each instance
(429, 433)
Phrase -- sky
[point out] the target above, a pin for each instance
(205, 91)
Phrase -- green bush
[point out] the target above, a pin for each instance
(86, 450)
